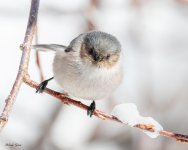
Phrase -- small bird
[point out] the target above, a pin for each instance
(89, 68)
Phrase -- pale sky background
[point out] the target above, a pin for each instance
(154, 38)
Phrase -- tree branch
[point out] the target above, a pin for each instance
(23, 63)
(102, 115)
(24, 76)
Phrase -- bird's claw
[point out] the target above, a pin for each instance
(91, 109)
(42, 86)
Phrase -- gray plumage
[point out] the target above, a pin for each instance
(90, 67)
(49, 47)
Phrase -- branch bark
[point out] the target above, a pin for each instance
(23, 63)
(24, 76)
(102, 115)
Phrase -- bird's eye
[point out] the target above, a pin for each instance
(108, 56)
(68, 49)
(91, 51)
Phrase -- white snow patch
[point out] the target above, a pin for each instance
(128, 114)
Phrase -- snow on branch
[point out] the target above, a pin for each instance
(120, 114)
(129, 115)
(144, 126)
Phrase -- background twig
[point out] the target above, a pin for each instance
(37, 55)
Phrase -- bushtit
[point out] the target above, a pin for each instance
(89, 68)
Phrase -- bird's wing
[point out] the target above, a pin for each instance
(48, 47)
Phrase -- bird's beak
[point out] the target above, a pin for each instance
(98, 58)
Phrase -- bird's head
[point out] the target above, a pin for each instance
(100, 49)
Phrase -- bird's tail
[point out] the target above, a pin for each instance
(48, 47)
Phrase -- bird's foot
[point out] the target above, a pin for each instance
(42, 85)
(91, 109)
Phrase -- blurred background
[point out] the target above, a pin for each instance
(154, 38)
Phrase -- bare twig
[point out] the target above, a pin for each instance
(23, 76)
(38, 62)
(23, 63)
(89, 15)
(66, 100)
(182, 1)
(102, 115)
(47, 128)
